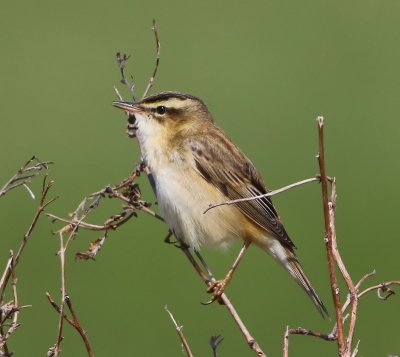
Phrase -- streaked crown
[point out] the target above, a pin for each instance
(174, 106)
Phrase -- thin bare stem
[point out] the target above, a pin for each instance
(78, 327)
(158, 47)
(350, 285)
(268, 194)
(251, 341)
(224, 299)
(7, 272)
(302, 331)
(179, 330)
(328, 237)
(332, 336)
(74, 322)
(25, 175)
(61, 254)
(121, 61)
(41, 207)
(13, 312)
(380, 287)
(14, 324)
(286, 343)
(57, 308)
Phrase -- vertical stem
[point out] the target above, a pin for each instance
(63, 295)
(251, 341)
(328, 235)
(339, 262)
(286, 342)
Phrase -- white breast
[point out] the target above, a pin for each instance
(183, 195)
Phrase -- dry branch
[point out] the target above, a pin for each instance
(207, 279)
(328, 236)
(158, 47)
(179, 330)
(268, 194)
(10, 310)
(24, 175)
(383, 290)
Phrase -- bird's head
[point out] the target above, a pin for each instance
(166, 114)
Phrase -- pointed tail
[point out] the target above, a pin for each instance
(287, 258)
(293, 266)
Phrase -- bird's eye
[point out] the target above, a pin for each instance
(161, 110)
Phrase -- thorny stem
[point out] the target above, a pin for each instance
(332, 336)
(179, 330)
(328, 237)
(350, 285)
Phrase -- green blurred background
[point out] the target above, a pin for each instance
(266, 69)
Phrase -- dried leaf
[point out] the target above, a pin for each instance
(93, 249)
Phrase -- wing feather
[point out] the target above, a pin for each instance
(223, 165)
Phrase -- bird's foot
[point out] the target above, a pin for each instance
(217, 288)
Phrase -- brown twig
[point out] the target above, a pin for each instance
(7, 272)
(57, 308)
(251, 341)
(61, 254)
(158, 47)
(268, 194)
(121, 61)
(179, 330)
(25, 175)
(329, 206)
(78, 327)
(46, 186)
(41, 207)
(74, 322)
(71, 229)
(328, 237)
(350, 285)
(224, 299)
(381, 287)
(11, 309)
(332, 336)
(286, 343)
(16, 310)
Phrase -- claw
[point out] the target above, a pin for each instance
(217, 289)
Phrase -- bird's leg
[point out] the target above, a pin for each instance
(185, 249)
(204, 263)
(217, 287)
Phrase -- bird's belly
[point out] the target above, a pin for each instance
(183, 196)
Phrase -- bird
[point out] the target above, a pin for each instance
(194, 163)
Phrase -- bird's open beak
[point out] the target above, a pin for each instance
(130, 108)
